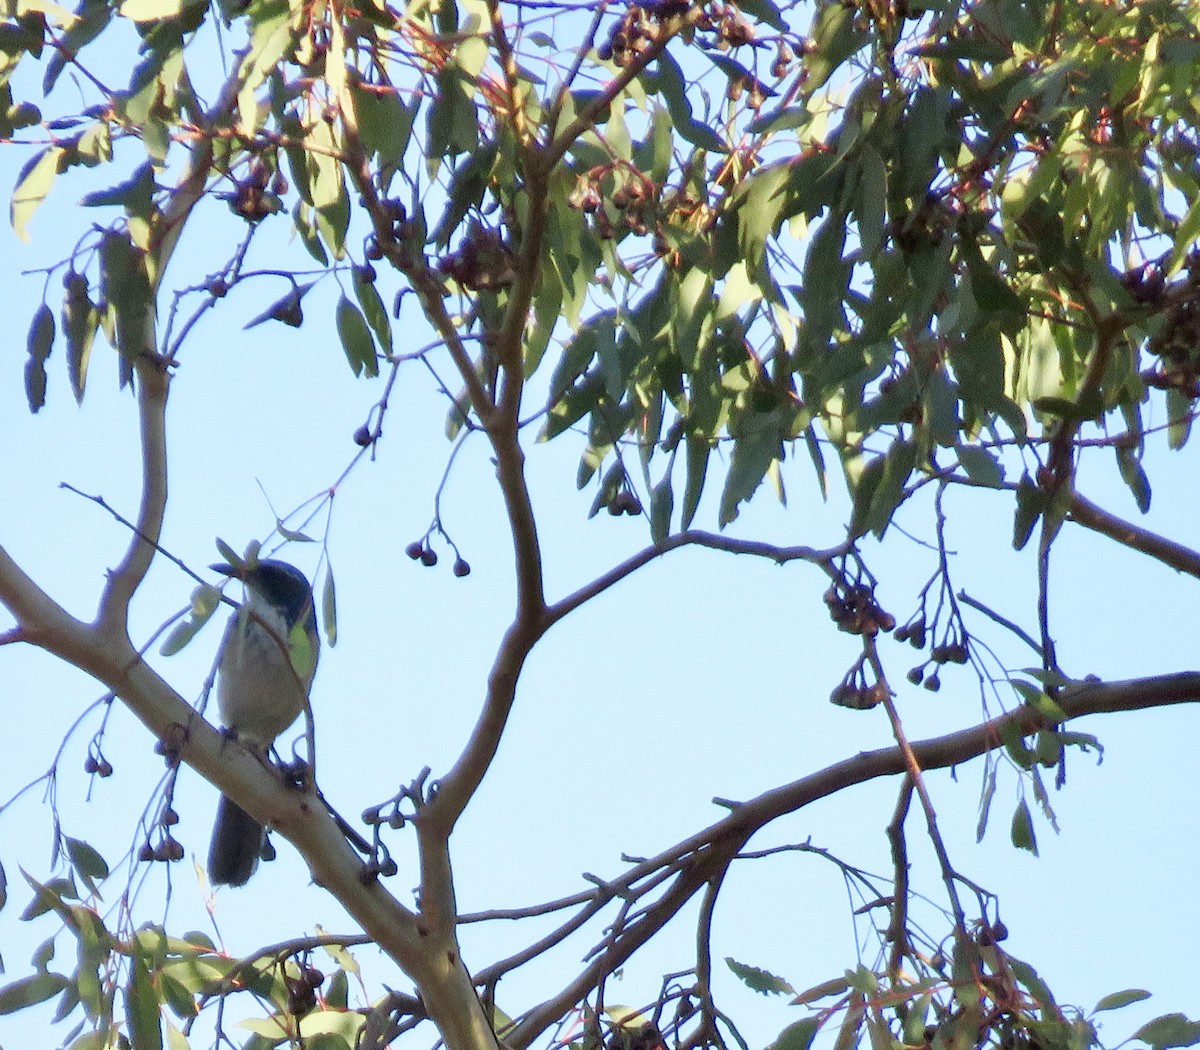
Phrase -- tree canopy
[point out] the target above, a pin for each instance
(924, 259)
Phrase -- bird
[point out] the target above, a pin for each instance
(265, 668)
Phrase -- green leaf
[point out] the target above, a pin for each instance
(304, 218)
(1179, 419)
(981, 466)
(1133, 474)
(80, 319)
(86, 860)
(669, 83)
(329, 608)
(1031, 504)
(373, 309)
(135, 194)
(33, 185)
(452, 124)
(662, 503)
(205, 601)
(1117, 1000)
(356, 339)
(1023, 836)
(799, 1035)
(333, 221)
(698, 450)
(764, 11)
(94, 16)
(29, 991)
(880, 489)
(152, 10)
(125, 284)
(142, 1010)
(39, 344)
(1185, 237)
(1169, 1030)
(176, 1040)
(834, 38)
(752, 455)
(761, 981)
(384, 123)
(873, 195)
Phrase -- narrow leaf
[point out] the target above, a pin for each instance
(80, 319)
(39, 344)
(759, 980)
(329, 608)
(356, 339)
(799, 1035)
(33, 185)
(1117, 1000)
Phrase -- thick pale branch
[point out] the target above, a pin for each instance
(1176, 555)
(153, 383)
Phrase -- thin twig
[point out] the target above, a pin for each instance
(897, 932)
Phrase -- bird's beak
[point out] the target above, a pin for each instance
(235, 572)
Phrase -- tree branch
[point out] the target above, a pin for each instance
(691, 538)
(153, 384)
(1176, 555)
(707, 847)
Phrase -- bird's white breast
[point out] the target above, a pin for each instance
(259, 694)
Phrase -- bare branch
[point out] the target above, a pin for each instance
(691, 538)
(898, 928)
(1176, 555)
(709, 849)
(153, 382)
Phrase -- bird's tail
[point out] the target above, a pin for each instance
(237, 843)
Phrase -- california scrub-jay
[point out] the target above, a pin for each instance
(266, 665)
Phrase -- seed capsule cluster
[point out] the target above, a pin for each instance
(952, 649)
(854, 609)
